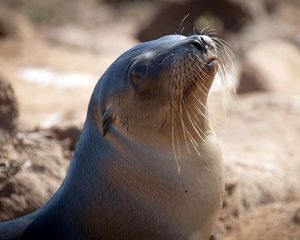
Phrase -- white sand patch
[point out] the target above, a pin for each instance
(46, 77)
(51, 120)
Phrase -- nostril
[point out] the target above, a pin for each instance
(199, 45)
(202, 40)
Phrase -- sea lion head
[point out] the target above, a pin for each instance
(153, 86)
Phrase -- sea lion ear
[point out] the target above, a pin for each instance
(107, 119)
(102, 123)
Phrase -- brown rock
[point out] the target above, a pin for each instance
(268, 222)
(13, 25)
(8, 28)
(66, 135)
(168, 17)
(31, 169)
(262, 166)
(297, 217)
(8, 107)
(271, 66)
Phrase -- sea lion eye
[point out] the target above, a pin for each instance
(140, 78)
(138, 74)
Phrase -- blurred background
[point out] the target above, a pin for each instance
(53, 52)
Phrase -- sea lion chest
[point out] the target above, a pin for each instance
(155, 196)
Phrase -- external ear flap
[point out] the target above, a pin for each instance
(104, 122)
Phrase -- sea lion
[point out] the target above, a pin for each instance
(147, 164)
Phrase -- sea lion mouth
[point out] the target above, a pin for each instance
(212, 65)
(212, 61)
(196, 62)
(192, 72)
(200, 81)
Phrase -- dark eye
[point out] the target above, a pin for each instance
(138, 74)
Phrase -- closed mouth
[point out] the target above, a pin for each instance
(211, 65)
(190, 74)
(212, 60)
(210, 68)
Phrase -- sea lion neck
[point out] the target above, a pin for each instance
(175, 119)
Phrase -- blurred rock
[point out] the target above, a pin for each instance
(262, 163)
(274, 221)
(296, 218)
(8, 107)
(70, 134)
(271, 66)
(67, 135)
(31, 169)
(7, 28)
(13, 25)
(14, 30)
(227, 15)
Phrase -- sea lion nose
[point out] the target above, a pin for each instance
(199, 42)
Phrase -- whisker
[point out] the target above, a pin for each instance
(181, 27)
(193, 69)
(162, 62)
(194, 125)
(184, 128)
(174, 148)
